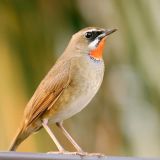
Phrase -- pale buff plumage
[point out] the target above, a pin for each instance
(68, 87)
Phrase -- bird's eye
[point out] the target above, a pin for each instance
(88, 34)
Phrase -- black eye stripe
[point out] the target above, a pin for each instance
(92, 35)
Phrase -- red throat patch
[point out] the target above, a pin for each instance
(97, 53)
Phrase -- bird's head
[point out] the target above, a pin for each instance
(90, 40)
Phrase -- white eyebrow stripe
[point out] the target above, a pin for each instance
(92, 30)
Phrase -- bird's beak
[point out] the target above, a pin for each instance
(106, 33)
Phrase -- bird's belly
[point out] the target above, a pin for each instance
(73, 107)
(77, 95)
(72, 101)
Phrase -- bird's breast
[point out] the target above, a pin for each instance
(86, 77)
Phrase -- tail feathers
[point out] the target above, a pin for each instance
(20, 136)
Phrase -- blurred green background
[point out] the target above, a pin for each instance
(124, 117)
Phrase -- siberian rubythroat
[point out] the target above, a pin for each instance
(67, 88)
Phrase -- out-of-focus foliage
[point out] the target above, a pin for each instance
(124, 117)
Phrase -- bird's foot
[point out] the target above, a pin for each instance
(96, 154)
(68, 153)
(81, 153)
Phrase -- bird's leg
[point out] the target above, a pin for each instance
(46, 127)
(78, 148)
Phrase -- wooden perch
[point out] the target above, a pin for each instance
(59, 156)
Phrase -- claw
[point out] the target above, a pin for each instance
(96, 154)
(57, 152)
(78, 153)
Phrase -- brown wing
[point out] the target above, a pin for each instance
(49, 90)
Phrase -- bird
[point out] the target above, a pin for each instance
(67, 88)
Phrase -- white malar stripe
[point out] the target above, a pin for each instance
(93, 44)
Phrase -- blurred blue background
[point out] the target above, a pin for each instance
(124, 117)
